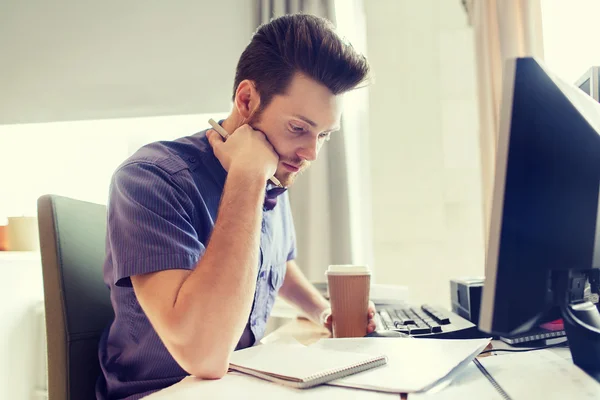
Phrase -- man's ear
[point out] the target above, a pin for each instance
(247, 99)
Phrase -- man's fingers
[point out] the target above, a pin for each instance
(371, 327)
(371, 309)
(213, 137)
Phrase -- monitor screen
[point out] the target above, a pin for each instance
(545, 207)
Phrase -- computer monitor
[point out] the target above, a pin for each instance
(544, 236)
(590, 83)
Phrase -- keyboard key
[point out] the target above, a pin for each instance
(423, 325)
(423, 317)
(405, 317)
(440, 317)
(387, 319)
(398, 317)
(415, 330)
(385, 326)
(435, 327)
(428, 308)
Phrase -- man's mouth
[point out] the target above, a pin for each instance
(291, 167)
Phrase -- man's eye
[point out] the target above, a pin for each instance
(296, 128)
(325, 136)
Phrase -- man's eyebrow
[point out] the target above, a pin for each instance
(308, 121)
(313, 123)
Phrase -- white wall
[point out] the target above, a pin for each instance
(21, 292)
(72, 60)
(424, 148)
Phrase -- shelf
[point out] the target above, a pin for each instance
(19, 256)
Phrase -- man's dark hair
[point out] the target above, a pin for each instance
(299, 43)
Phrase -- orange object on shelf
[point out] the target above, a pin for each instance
(3, 238)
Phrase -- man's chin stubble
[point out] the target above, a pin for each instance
(288, 179)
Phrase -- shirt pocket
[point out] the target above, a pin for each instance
(277, 275)
(276, 278)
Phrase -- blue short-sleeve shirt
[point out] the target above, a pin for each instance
(162, 207)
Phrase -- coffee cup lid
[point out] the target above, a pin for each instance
(348, 270)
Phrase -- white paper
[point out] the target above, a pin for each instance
(469, 384)
(541, 374)
(413, 364)
(239, 386)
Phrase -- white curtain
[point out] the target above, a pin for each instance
(330, 201)
(503, 29)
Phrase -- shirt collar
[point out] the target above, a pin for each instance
(273, 192)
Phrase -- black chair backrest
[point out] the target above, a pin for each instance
(77, 302)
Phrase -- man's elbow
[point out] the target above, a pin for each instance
(204, 365)
(200, 354)
(209, 371)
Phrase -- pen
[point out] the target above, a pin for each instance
(224, 134)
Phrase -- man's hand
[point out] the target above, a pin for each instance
(326, 318)
(246, 149)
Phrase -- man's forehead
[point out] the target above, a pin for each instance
(319, 110)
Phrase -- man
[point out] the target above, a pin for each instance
(198, 243)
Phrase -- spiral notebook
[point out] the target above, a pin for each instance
(301, 367)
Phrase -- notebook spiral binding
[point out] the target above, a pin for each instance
(318, 379)
(490, 378)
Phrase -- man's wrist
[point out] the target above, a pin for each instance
(321, 313)
(248, 176)
(249, 173)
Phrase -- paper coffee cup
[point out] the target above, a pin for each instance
(349, 297)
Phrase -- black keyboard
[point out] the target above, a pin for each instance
(424, 321)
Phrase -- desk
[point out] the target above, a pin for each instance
(302, 330)
(306, 333)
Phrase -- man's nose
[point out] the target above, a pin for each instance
(309, 150)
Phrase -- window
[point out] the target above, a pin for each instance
(76, 158)
(570, 36)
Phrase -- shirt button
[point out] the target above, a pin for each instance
(192, 159)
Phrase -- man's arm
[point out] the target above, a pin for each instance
(299, 291)
(201, 314)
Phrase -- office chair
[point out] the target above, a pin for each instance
(77, 302)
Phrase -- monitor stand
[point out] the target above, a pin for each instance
(582, 326)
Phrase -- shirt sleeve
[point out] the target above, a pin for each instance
(290, 220)
(149, 223)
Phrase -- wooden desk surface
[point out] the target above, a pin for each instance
(303, 330)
